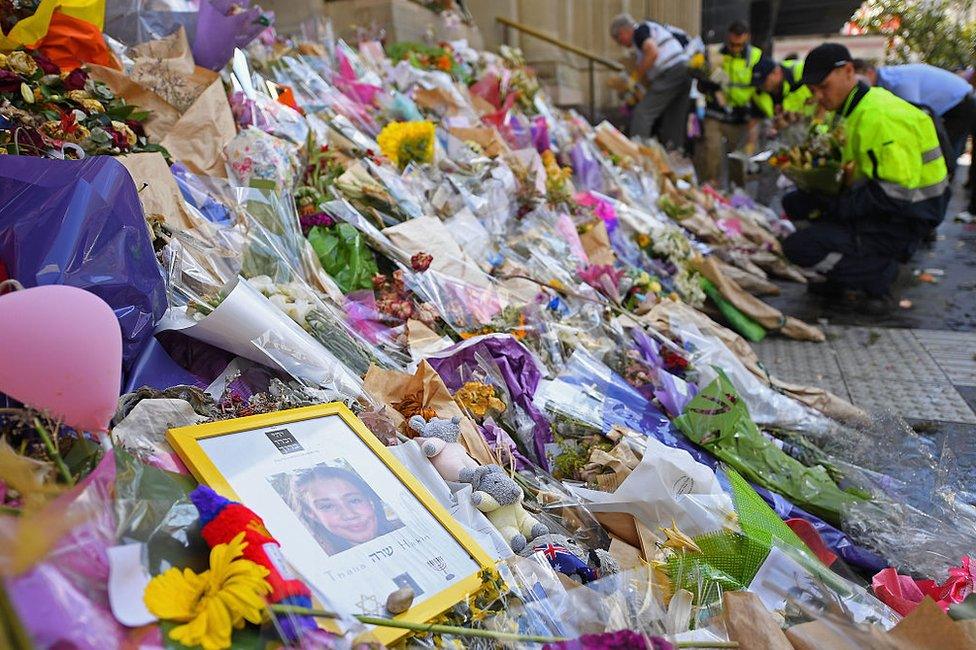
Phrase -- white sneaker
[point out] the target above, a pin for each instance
(966, 217)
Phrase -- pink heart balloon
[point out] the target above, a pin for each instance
(61, 352)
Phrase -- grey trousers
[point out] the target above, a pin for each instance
(663, 111)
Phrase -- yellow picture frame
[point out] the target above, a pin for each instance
(186, 442)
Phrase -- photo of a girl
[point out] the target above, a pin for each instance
(336, 505)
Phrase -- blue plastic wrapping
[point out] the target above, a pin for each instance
(80, 223)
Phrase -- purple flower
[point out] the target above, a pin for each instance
(310, 221)
(621, 640)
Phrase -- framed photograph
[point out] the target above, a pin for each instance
(350, 518)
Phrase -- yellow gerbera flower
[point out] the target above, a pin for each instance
(213, 603)
(405, 142)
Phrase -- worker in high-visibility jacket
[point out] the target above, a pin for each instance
(895, 191)
(731, 119)
(780, 91)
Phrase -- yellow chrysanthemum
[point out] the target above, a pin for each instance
(405, 142)
(214, 603)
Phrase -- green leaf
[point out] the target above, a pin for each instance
(344, 255)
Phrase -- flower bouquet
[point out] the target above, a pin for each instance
(815, 163)
(45, 112)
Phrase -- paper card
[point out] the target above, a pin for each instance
(127, 580)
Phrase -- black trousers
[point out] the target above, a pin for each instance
(960, 123)
(862, 256)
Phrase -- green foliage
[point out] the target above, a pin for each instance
(344, 255)
(937, 32)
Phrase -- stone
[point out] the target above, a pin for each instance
(399, 601)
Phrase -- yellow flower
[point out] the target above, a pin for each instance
(3, 61)
(479, 398)
(210, 605)
(78, 95)
(21, 63)
(405, 142)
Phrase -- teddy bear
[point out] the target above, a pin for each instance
(498, 496)
(569, 558)
(439, 441)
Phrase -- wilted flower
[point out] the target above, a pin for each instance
(420, 262)
(21, 63)
(478, 398)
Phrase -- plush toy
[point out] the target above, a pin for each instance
(498, 496)
(569, 558)
(439, 442)
(221, 520)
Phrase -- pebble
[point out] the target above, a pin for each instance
(399, 601)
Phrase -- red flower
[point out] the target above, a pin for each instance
(76, 79)
(45, 64)
(420, 262)
(136, 127)
(68, 122)
(118, 139)
(9, 81)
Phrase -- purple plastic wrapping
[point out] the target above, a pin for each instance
(79, 223)
(586, 169)
(219, 30)
(540, 134)
(518, 367)
(70, 585)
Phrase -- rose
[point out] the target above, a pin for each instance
(9, 81)
(21, 63)
(76, 79)
(44, 63)
(420, 262)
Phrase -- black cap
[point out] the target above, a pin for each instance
(822, 60)
(761, 70)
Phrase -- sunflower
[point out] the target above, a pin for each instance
(213, 603)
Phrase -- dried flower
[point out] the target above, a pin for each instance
(478, 398)
(21, 62)
(412, 405)
(420, 262)
(677, 540)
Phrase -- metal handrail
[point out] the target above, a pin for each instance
(589, 56)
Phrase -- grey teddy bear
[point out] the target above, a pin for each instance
(498, 496)
(439, 441)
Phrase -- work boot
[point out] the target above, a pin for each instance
(877, 305)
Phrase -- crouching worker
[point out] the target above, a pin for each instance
(896, 189)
